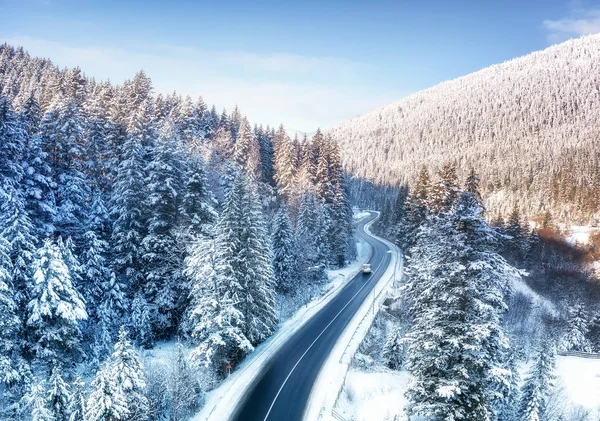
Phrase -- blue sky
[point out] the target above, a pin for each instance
(307, 63)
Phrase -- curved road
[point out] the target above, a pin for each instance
(282, 391)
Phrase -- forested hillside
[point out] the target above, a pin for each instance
(128, 217)
(529, 126)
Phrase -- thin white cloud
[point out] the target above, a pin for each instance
(299, 91)
(580, 22)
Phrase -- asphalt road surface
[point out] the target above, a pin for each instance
(281, 392)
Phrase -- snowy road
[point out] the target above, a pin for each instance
(282, 390)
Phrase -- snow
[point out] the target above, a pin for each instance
(330, 380)
(580, 378)
(358, 214)
(373, 395)
(539, 301)
(580, 234)
(223, 400)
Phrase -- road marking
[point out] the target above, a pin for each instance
(320, 334)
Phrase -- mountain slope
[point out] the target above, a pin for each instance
(529, 126)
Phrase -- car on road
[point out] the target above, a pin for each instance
(366, 269)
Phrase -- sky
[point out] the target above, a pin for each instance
(305, 64)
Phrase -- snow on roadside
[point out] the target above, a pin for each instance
(580, 378)
(358, 214)
(373, 395)
(221, 401)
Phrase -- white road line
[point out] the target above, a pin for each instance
(317, 338)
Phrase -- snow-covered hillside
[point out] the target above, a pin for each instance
(528, 126)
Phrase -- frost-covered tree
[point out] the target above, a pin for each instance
(311, 234)
(575, 338)
(107, 401)
(128, 372)
(55, 309)
(445, 190)
(198, 203)
(456, 292)
(283, 161)
(246, 152)
(162, 255)
(37, 402)
(59, 396)
(248, 250)
(127, 207)
(140, 321)
(508, 406)
(594, 332)
(183, 388)
(538, 385)
(393, 349)
(216, 325)
(284, 253)
(77, 405)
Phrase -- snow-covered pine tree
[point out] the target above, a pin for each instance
(508, 406)
(283, 162)
(215, 324)
(198, 203)
(445, 190)
(284, 253)
(55, 309)
(127, 204)
(538, 385)
(128, 372)
(246, 152)
(59, 396)
(110, 315)
(456, 291)
(17, 229)
(37, 402)
(393, 349)
(183, 387)
(37, 181)
(77, 405)
(311, 238)
(11, 363)
(594, 332)
(515, 243)
(62, 131)
(96, 129)
(162, 254)
(265, 142)
(575, 338)
(107, 400)
(243, 229)
(140, 321)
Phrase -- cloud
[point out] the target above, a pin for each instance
(302, 92)
(579, 22)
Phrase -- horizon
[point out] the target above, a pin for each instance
(327, 75)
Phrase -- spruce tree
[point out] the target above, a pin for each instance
(107, 400)
(37, 402)
(283, 162)
(456, 292)
(538, 385)
(55, 309)
(393, 349)
(284, 253)
(246, 152)
(445, 191)
(575, 338)
(594, 332)
(198, 203)
(127, 370)
(59, 396)
(77, 405)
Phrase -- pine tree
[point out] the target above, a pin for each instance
(538, 386)
(55, 309)
(283, 162)
(77, 405)
(127, 208)
(162, 257)
(284, 253)
(37, 182)
(249, 252)
(37, 402)
(456, 294)
(514, 245)
(58, 396)
(198, 203)
(311, 237)
(510, 392)
(184, 390)
(576, 336)
(140, 322)
(446, 190)
(594, 332)
(215, 324)
(10, 325)
(62, 130)
(127, 370)
(393, 350)
(246, 152)
(107, 400)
